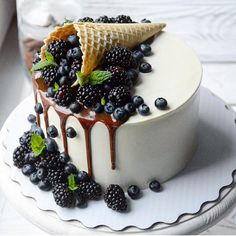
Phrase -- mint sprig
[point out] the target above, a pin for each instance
(56, 87)
(71, 183)
(66, 20)
(50, 61)
(95, 78)
(37, 144)
(103, 101)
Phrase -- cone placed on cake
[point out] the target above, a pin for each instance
(96, 39)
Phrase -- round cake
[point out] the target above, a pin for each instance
(144, 147)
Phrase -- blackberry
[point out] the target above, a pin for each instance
(119, 76)
(86, 19)
(25, 140)
(90, 190)
(50, 75)
(19, 156)
(119, 96)
(119, 56)
(63, 96)
(51, 161)
(115, 198)
(63, 196)
(123, 19)
(56, 176)
(89, 95)
(58, 49)
(105, 19)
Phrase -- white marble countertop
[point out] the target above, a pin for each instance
(14, 87)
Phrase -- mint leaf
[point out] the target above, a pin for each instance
(71, 182)
(81, 79)
(37, 144)
(99, 76)
(56, 87)
(67, 21)
(103, 101)
(49, 56)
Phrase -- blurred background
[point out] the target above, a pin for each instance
(208, 26)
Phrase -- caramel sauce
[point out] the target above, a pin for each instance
(85, 118)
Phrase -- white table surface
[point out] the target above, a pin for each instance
(14, 87)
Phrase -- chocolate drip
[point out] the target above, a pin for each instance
(86, 119)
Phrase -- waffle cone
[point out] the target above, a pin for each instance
(96, 39)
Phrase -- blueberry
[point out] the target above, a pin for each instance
(120, 114)
(28, 169)
(133, 75)
(52, 131)
(74, 40)
(83, 176)
(98, 108)
(133, 191)
(34, 178)
(51, 145)
(161, 103)
(155, 186)
(145, 49)
(70, 169)
(109, 108)
(130, 83)
(64, 158)
(143, 109)
(50, 92)
(38, 108)
(64, 80)
(30, 158)
(137, 55)
(145, 21)
(31, 118)
(41, 173)
(35, 129)
(130, 108)
(137, 101)
(145, 67)
(74, 53)
(63, 62)
(70, 132)
(63, 70)
(80, 200)
(44, 185)
(75, 107)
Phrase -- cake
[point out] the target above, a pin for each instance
(124, 133)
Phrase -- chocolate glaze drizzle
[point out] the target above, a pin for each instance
(84, 118)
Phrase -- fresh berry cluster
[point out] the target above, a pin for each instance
(105, 19)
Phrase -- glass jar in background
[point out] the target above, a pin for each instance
(36, 19)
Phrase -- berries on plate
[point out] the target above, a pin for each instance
(52, 161)
(83, 176)
(145, 67)
(70, 168)
(119, 76)
(63, 96)
(75, 107)
(161, 103)
(28, 169)
(80, 200)
(19, 156)
(25, 140)
(44, 185)
(52, 131)
(38, 108)
(143, 109)
(155, 186)
(90, 189)
(145, 49)
(133, 191)
(120, 114)
(123, 19)
(56, 176)
(137, 55)
(42, 173)
(70, 132)
(31, 118)
(132, 74)
(50, 75)
(137, 101)
(51, 145)
(119, 96)
(34, 178)
(64, 158)
(115, 198)
(86, 19)
(130, 108)
(109, 108)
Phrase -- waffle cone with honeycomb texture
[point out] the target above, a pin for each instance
(96, 39)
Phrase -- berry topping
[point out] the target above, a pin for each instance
(44, 185)
(74, 40)
(63, 196)
(86, 19)
(28, 169)
(64, 158)
(118, 56)
(75, 107)
(120, 114)
(42, 173)
(58, 48)
(19, 156)
(50, 75)
(25, 140)
(119, 96)
(115, 198)
(109, 108)
(137, 55)
(70, 132)
(155, 186)
(89, 95)
(31, 118)
(137, 101)
(90, 190)
(98, 108)
(105, 19)
(130, 108)
(52, 161)
(63, 96)
(83, 176)
(74, 54)
(70, 169)
(145, 21)
(161, 103)
(133, 191)
(145, 49)
(80, 200)
(30, 158)
(56, 176)
(52, 131)
(123, 19)
(38, 108)
(143, 109)
(51, 145)
(133, 75)
(145, 67)
(50, 92)
(34, 178)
